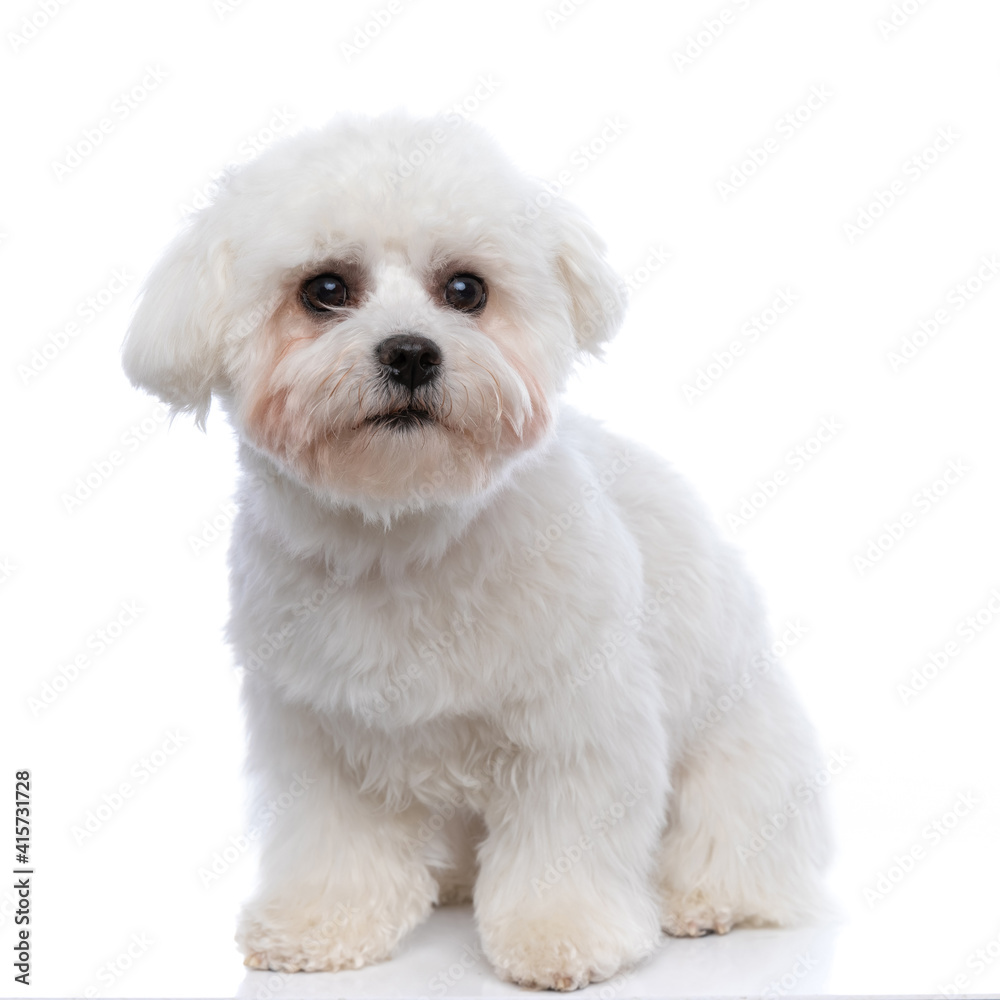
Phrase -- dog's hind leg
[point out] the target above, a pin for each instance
(746, 837)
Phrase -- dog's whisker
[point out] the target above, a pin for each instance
(333, 391)
(334, 364)
(467, 401)
(498, 391)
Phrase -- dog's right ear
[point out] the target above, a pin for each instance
(175, 342)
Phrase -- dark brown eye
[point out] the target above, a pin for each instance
(465, 292)
(324, 292)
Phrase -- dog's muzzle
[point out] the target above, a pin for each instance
(410, 361)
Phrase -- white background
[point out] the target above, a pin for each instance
(547, 89)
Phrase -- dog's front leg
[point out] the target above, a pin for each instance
(563, 896)
(341, 880)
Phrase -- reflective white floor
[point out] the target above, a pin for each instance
(443, 959)
(130, 911)
(932, 931)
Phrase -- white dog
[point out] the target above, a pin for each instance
(504, 651)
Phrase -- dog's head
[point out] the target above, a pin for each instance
(387, 309)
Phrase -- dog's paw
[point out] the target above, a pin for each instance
(302, 940)
(297, 942)
(694, 916)
(564, 952)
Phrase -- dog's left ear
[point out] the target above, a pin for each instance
(597, 293)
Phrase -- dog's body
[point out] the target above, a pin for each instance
(503, 650)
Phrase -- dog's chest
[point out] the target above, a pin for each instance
(388, 652)
(407, 653)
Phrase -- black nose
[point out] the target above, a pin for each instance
(409, 359)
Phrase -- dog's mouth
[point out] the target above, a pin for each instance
(406, 418)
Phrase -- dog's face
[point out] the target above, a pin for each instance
(387, 309)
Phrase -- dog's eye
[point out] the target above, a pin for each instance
(465, 292)
(325, 291)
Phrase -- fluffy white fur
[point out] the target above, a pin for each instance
(506, 649)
